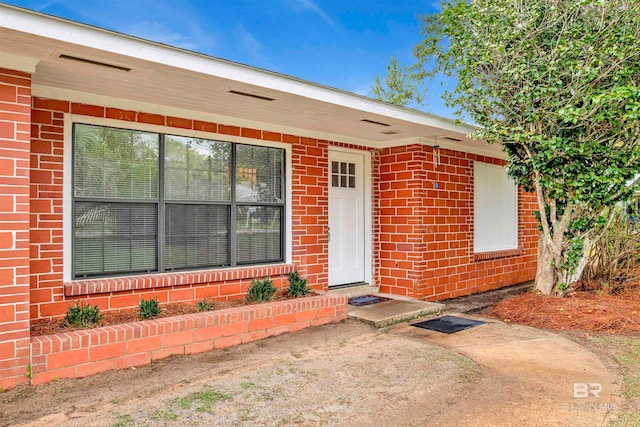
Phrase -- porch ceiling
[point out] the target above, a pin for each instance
(170, 79)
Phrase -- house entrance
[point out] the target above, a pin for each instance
(346, 218)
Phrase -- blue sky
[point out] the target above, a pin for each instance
(339, 43)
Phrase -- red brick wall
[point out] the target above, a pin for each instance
(401, 220)
(47, 133)
(15, 100)
(117, 293)
(310, 208)
(426, 233)
(48, 298)
(422, 236)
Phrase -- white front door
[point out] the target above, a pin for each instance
(346, 218)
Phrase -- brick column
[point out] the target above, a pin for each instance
(401, 219)
(310, 206)
(15, 129)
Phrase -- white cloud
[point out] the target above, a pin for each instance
(41, 6)
(158, 32)
(250, 49)
(246, 40)
(170, 22)
(298, 5)
(364, 90)
(308, 4)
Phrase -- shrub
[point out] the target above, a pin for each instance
(149, 308)
(261, 290)
(84, 316)
(297, 285)
(614, 259)
(204, 305)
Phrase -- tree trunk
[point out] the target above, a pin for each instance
(576, 274)
(546, 274)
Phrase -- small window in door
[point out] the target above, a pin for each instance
(343, 174)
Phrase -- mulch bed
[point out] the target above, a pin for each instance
(46, 327)
(588, 311)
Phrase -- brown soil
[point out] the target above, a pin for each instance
(338, 374)
(587, 311)
(46, 327)
(606, 324)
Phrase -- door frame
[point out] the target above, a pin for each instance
(367, 208)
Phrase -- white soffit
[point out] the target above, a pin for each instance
(173, 80)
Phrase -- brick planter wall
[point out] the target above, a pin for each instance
(90, 351)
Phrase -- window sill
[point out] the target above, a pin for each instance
(163, 280)
(484, 256)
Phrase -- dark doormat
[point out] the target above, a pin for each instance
(367, 300)
(448, 324)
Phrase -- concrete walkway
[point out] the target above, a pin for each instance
(542, 377)
(530, 377)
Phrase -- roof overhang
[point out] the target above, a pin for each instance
(80, 63)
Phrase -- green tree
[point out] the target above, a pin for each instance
(557, 83)
(401, 85)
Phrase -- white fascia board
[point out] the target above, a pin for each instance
(71, 32)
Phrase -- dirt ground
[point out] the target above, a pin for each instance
(338, 374)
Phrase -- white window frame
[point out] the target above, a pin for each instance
(495, 209)
(70, 119)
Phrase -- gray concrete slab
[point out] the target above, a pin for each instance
(397, 310)
(356, 291)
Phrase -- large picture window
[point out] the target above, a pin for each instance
(148, 202)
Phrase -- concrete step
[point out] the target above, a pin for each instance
(356, 291)
(397, 310)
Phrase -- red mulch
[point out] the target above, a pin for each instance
(588, 311)
(46, 327)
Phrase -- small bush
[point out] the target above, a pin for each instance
(83, 316)
(204, 305)
(149, 308)
(614, 259)
(261, 290)
(297, 285)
